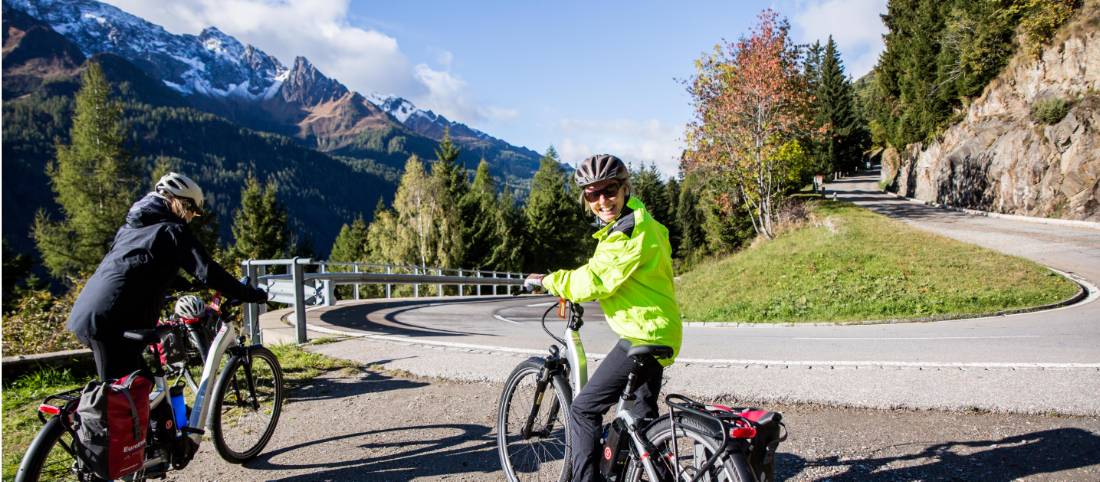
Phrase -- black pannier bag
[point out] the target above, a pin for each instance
(112, 423)
(769, 433)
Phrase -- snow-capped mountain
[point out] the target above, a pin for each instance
(219, 74)
(211, 63)
(424, 121)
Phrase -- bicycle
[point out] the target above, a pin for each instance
(711, 442)
(238, 399)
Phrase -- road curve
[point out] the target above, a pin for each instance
(1034, 362)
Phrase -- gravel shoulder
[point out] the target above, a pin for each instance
(382, 424)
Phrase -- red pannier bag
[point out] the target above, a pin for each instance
(112, 423)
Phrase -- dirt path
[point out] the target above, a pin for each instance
(370, 426)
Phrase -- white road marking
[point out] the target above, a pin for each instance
(719, 361)
(501, 318)
(907, 338)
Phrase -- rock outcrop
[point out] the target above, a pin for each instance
(1000, 158)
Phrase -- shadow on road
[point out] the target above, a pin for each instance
(324, 388)
(404, 454)
(357, 317)
(1009, 458)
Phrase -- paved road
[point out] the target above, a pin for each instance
(1036, 362)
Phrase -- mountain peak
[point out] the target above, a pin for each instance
(306, 85)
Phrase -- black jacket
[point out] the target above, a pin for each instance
(127, 290)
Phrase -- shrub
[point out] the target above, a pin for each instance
(37, 323)
(1050, 110)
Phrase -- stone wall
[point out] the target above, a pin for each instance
(1002, 160)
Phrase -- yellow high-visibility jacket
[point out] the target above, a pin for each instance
(631, 275)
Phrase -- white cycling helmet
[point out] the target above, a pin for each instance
(190, 306)
(179, 185)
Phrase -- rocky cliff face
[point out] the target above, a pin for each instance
(1000, 157)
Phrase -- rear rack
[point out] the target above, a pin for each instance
(60, 403)
(677, 402)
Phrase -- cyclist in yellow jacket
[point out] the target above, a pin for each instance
(630, 274)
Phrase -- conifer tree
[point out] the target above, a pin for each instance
(94, 180)
(556, 225)
(260, 229)
(351, 244)
(456, 211)
(508, 255)
(646, 184)
(842, 144)
(484, 226)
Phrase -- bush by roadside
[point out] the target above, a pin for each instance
(36, 324)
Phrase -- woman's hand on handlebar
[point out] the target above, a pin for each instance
(533, 283)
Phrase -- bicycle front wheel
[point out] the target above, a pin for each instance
(50, 456)
(695, 444)
(248, 399)
(532, 432)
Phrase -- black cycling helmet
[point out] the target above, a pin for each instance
(600, 167)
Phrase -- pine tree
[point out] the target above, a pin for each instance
(508, 254)
(453, 223)
(557, 227)
(483, 228)
(94, 180)
(672, 222)
(351, 244)
(841, 146)
(646, 184)
(260, 229)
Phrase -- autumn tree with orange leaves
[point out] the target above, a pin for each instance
(751, 106)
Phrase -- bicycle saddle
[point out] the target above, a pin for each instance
(147, 336)
(656, 351)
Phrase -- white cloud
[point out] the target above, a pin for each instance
(854, 24)
(365, 60)
(636, 142)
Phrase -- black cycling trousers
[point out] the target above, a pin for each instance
(602, 391)
(118, 358)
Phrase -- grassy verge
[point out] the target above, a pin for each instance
(850, 264)
(22, 396)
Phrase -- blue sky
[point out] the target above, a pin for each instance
(586, 77)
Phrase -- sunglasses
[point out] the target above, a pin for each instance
(191, 206)
(610, 192)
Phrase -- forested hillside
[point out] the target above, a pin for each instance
(991, 105)
(320, 192)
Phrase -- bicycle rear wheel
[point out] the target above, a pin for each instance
(248, 399)
(50, 456)
(542, 453)
(695, 443)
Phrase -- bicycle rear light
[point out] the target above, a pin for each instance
(742, 432)
(49, 409)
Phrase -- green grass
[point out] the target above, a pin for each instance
(22, 396)
(849, 264)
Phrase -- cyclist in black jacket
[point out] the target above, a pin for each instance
(127, 290)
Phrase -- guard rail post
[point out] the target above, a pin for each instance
(329, 287)
(416, 286)
(252, 310)
(297, 275)
(439, 287)
(479, 284)
(495, 285)
(389, 270)
(460, 285)
(355, 290)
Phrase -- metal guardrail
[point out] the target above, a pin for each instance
(300, 288)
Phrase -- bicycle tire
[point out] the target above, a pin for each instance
(228, 401)
(36, 464)
(731, 467)
(548, 457)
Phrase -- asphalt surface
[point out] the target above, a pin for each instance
(387, 426)
(1014, 397)
(1040, 362)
